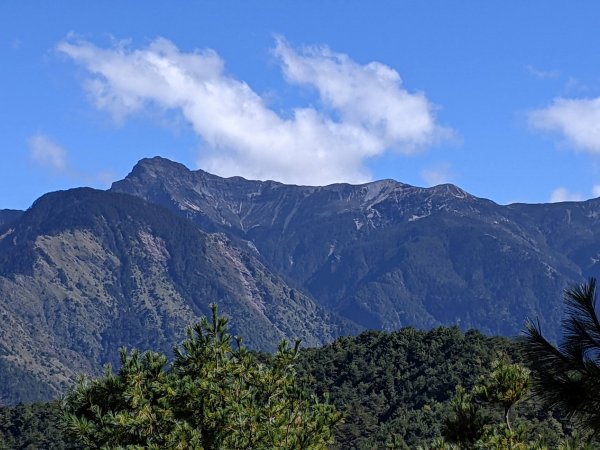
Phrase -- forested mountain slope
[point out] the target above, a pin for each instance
(400, 384)
(84, 272)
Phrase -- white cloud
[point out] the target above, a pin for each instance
(596, 190)
(562, 194)
(47, 153)
(577, 120)
(439, 174)
(369, 95)
(367, 112)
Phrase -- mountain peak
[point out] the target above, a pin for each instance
(157, 164)
(451, 190)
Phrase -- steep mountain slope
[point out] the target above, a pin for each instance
(84, 272)
(9, 215)
(386, 254)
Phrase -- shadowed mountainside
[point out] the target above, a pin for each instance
(9, 215)
(386, 254)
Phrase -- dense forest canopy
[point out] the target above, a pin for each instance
(393, 389)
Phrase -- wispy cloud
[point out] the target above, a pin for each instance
(542, 74)
(47, 153)
(365, 110)
(576, 120)
(562, 194)
(440, 174)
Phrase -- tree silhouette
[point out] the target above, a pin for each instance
(568, 375)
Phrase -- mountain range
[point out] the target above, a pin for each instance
(83, 272)
(386, 254)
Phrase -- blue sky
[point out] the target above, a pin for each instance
(500, 98)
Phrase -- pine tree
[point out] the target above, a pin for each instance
(215, 395)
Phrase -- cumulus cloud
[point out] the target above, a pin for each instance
(577, 120)
(596, 190)
(562, 194)
(47, 153)
(369, 95)
(439, 174)
(365, 112)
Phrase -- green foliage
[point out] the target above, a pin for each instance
(465, 424)
(503, 438)
(214, 396)
(400, 390)
(505, 385)
(34, 426)
(396, 390)
(398, 383)
(578, 442)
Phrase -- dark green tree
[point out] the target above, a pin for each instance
(215, 395)
(465, 424)
(567, 376)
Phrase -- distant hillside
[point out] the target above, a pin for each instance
(386, 254)
(84, 272)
